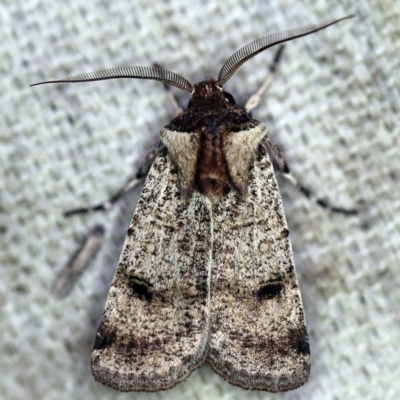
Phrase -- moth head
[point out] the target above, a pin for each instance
(231, 65)
(209, 92)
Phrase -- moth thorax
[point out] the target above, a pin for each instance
(212, 174)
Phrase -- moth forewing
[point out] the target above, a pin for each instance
(258, 333)
(155, 327)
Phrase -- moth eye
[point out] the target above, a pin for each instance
(229, 98)
(141, 289)
(269, 291)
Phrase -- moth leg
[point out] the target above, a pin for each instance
(131, 184)
(64, 283)
(282, 167)
(172, 99)
(254, 99)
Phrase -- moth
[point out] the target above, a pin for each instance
(206, 271)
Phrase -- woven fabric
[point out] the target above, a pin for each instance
(333, 108)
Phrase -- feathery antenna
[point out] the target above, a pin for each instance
(237, 59)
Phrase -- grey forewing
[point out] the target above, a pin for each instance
(155, 327)
(258, 333)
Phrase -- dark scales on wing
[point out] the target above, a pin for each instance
(269, 291)
(141, 289)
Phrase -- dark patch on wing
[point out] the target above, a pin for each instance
(104, 337)
(269, 291)
(141, 289)
(299, 340)
(284, 233)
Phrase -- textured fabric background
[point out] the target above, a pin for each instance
(334, 109)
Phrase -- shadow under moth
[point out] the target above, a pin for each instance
(206, 271)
